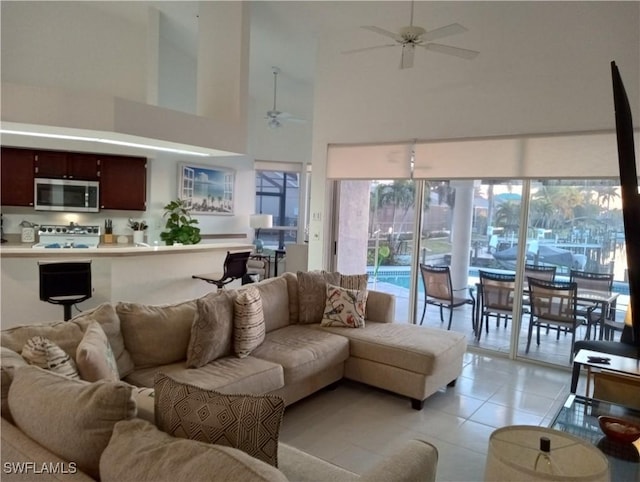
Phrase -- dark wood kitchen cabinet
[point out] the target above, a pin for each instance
(16, 171)
(123, 183)
(66, 165)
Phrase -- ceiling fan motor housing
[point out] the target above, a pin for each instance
(412, 34)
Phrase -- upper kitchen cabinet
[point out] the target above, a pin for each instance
(66, 165)
(16, 173)
(123, 183)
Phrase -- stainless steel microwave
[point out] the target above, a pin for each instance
(66, 195)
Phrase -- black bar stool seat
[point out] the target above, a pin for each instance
(65, 283)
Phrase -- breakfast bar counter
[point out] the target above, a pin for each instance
(120, 272)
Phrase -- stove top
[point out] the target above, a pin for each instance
(72, 236)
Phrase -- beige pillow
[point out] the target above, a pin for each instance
(139, 451)
(9, 362)
(156, 334)
(354, 281)
(212, 329)
(43, 353)
(312, 294)
(344, 307)
(106, 315)
(64, 334)
(74, 419)
(94, 356)
(248, 322)
(250, 423)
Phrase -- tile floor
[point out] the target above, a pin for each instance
(354, 425)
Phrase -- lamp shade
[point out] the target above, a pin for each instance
(513, 452)
(259, 221)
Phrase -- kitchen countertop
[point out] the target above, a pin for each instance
(25, 250)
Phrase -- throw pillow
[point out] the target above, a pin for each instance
(94, 356)
(312, 294)
(354, 281)
(139, 451)
(250, 423)
(9, 362)
(344, 307)
(74, 419)
(156, 334)
(212, 329)
(248, 322)
(43, 353)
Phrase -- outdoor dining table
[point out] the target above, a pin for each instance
(604, 298)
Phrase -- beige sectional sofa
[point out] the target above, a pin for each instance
(294, 360)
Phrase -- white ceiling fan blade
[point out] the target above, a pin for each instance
(445, 31)
(285, 116)
(406, 61)
(364, 49)
(384, 32)
(449, 50)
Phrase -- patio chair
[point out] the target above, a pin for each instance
(547, 273)
(438, 291)
(235, 267)
(592, 313)
(553, 304)
(497, 298)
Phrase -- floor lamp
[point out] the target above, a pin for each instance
(257, 222)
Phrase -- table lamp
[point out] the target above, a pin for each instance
(531, 453)
(257, 222)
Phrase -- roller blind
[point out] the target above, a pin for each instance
(382, 161)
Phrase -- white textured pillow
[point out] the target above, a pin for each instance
(344, 307)
(248, 322)
(43, 353)
(94, 356)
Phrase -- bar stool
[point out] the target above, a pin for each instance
(65, 283)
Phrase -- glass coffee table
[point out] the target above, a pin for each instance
(579, 417)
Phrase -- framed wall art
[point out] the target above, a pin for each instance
(206, 189)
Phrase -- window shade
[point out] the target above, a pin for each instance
(382, 161)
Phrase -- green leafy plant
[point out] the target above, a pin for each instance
(383, 253)
(180, 226)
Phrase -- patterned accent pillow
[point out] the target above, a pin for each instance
(354, 281)
(94, 356)
(248, 322)
(250, 423)
(43, 353)
(212, 329)
(344, 307)
(312, 294)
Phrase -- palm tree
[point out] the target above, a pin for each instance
(508, 215)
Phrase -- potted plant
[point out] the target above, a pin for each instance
(138, 228)
(180, 226)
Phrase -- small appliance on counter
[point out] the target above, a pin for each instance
(72, 236)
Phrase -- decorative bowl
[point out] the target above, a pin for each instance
(619, 430)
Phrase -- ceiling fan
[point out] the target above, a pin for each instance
(413, 36)
(274, 117)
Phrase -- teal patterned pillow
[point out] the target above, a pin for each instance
(344, 307)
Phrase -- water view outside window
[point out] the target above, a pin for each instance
(477, 225)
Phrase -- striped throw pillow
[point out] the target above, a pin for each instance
(43, 353)
(248, 322)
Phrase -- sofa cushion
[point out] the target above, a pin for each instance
(106, 315)
(9, 362)
(45, 354)
(275, 302)
(292, 291)
(94, 356)
(344, 307)
(64, 334)
(250, 423)
(156, 334)
(312, 294)
(74, 419)
(248, 322)
(302, 352)
(354, 281)
(212, 329)
(415, 348)
(139, 451)
(227, 375)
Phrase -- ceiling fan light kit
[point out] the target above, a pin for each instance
(413, 36)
